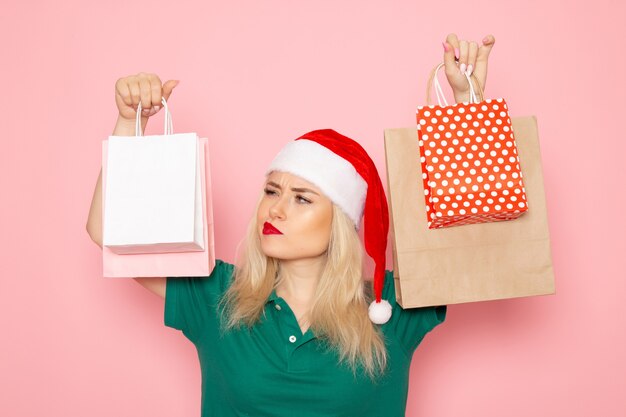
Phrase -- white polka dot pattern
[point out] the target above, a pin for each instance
(470, 166)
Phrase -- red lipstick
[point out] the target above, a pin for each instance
(268, 229)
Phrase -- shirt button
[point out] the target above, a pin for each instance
(292, 339)
(278, 307)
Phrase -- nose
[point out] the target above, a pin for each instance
(277, 210)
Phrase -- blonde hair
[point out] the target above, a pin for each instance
(339, 314)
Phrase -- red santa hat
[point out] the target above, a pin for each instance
(346, 174)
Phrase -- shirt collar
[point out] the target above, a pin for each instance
(272, 297)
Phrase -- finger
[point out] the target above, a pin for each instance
(471, 57)
(485, 48)
(455, 78)
(449, 58)
(463, 54)
(168, 87)
(122, 90)
(146, 94)
(480, 70)
(135, 91)
(155, 91)
(453, 40)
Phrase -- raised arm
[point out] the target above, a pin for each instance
(129, 91)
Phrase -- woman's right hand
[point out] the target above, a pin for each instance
(473, 58)
(145, 88)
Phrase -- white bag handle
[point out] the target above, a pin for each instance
(439, 92)
(168, 128)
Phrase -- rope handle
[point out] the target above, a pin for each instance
(441, 99)
(168, 127)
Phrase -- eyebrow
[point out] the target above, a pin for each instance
(298, 190)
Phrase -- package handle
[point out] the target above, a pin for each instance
(441, 99)
(168, 127)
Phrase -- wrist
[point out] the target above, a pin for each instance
(462, 97)
(126, 127)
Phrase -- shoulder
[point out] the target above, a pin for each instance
(410, 325)
(222, 273)
(215, 284)
(389, 294)
(190, 301)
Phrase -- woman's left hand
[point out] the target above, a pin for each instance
(472, 60)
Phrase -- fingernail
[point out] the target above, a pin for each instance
(157, 108)
(145, 111)
(486, 39)
(470, 69)
(463, 68)
(446, 48)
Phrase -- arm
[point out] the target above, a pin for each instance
(129, 91)
(123, 127)
(94, 222)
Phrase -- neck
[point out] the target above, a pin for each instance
(300, 278)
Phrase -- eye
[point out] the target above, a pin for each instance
(302, 200)
(269, 192)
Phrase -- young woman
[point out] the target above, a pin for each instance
(292, 329)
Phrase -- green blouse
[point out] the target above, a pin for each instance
(275, 370)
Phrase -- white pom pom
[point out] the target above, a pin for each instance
(380, 313)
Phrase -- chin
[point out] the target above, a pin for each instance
(270, 249)
(288, 255)
(277, 254)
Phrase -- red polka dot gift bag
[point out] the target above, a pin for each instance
(470, 165)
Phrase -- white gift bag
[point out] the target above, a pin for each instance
(154, 192)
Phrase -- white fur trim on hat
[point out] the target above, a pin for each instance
(335, 176)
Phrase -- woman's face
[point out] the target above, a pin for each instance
(300, 212)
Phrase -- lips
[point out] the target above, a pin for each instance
(268, 229)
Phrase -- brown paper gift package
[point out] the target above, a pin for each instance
(478, 262)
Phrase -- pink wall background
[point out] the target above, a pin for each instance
(255, 74)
